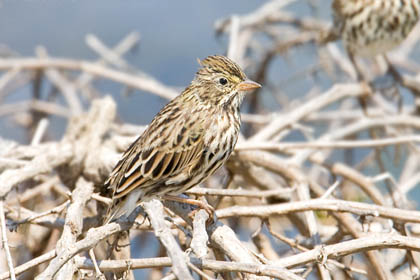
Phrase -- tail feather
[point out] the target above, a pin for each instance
(124, 206)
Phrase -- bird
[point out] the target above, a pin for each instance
(369, 28)
(372, 27)
(186, 142)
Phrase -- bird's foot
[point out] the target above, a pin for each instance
(200, 204)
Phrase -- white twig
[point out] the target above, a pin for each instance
(7, 77)
(371, 143)
(99, 274)
(98, 70)
(154, 209)
(66, 87)
(370, 242)
(224, 238)
(234, 39)
(30, 264)
(55, 210)
(72, 229)
(5, 245)
(337, 92)
(213, 265)
(200, 236)
(40, 131)
(331, 189)
(334, 205)
(57, 155)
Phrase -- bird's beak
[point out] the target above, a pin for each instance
(248, 85)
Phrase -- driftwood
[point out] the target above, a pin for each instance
(333, 203)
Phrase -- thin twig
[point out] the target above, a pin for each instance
(4, 243)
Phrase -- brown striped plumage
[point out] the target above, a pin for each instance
(372, 27)
(186, 142)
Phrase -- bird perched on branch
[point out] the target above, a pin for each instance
(186, 142)
(373, 27)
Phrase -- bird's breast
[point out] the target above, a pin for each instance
(222, 132)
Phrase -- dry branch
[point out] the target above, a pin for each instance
(154, 209)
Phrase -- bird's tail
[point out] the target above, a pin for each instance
(123, 206)
(114, 212)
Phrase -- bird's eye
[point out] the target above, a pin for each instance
(223, 81)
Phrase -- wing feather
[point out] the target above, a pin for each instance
(153, 160)
(171, 162)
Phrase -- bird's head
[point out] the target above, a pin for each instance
(221, 82)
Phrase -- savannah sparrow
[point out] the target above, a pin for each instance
(186, 142)
(372, 27)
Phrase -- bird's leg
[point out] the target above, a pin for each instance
(398, 78)
(361, 79)
(203, 205)
(145, 218)
(122, 236)
(392, 70)
(113, 243)
(359, 73)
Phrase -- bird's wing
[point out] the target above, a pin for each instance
(170, 145)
